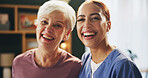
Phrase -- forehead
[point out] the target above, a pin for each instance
(56, 12)
(88, 8)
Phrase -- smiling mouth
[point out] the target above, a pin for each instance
(89, 34)
(47, 37)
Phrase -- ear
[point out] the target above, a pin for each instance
(108, 26)
(66, 36)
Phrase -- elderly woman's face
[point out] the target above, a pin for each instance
(91, 25)
(51, 29)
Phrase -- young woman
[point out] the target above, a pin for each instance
(55, 21)
(104, 60)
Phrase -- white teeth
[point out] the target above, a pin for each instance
(50, 38)
(88, 34)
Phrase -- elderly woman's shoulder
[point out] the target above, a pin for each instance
(70, 58)
(24, 55)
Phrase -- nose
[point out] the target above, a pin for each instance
(49, 27)
(87, 23)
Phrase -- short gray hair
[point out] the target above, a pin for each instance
(61, 6)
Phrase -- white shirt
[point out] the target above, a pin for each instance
(94, 67)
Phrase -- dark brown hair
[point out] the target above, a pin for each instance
(104, 8)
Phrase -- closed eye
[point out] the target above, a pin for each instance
(79, 20)
(95, 18)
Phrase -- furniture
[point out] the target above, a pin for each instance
(6, 63)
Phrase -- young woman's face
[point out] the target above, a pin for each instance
(51, 29)
(91, 25)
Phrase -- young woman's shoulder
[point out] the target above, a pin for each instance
(125, 67)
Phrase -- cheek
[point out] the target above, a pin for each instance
(78, 29)
(39, 29)
(60, 32)
(100, 26)
(104, 27)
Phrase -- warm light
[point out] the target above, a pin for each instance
(6, 60)
(63, 45)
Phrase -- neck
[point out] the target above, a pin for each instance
(100, 53)
(47, 58)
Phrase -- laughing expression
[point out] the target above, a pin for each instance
(51, 29)
(91, 25)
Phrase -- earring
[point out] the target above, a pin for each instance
(108, 29)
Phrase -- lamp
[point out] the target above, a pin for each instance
(63, 45)
(6, 62)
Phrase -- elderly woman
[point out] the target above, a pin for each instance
(55, 21)
(104, 60)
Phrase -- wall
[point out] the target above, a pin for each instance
(77, 46)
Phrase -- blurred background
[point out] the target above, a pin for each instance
(129, 29)
(129, 24)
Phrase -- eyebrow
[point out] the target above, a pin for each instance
(81, 16)
(56, 21)
(60, 22)
(90, 15)
(94, 14)
(43, 18)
